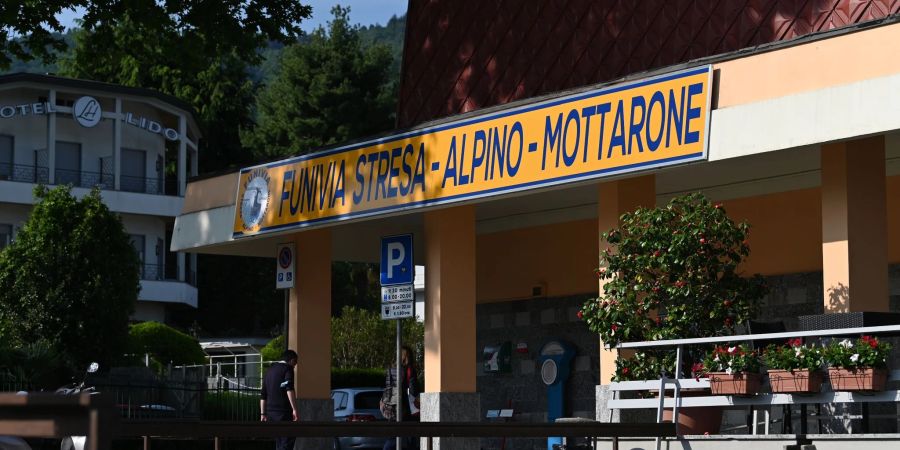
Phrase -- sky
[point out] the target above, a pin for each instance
(363, 12)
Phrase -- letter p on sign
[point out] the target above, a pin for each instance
(397, 260)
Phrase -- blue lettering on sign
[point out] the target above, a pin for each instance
(397, 260)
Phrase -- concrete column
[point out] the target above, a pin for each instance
(614, 199)
(182, 274)
(182, 156)
(117, 148)
(450, 353)
(854, 226)
(51, 141)
(309, 324)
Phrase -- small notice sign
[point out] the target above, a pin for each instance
(398, 310)
(398, 293)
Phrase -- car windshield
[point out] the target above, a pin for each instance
(367, 400)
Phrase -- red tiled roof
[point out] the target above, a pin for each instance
(462, 55)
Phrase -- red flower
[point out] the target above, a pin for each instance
(873, 343)
(796, 342)
(679, 283)
(615, 327)
(657, 253)
(702, 240)
(658, 320)
(718, 206)
(728, 321)
(579, 314)
(625, 371)
(727, 303)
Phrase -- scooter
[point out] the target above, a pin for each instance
(77, 442)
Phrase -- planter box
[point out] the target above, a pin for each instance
(739, 383)
(796, 382)
(857, 380)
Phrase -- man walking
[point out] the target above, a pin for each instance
(277, 402)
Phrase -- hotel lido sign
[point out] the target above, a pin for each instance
(87, 112)
(613, 130)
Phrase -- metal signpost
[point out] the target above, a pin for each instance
(284, 279)
(398, 297)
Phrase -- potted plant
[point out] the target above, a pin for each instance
(732, 370)
(795, 367)
(859, 365)
(672, 272)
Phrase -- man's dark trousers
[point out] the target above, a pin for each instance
(282, 443)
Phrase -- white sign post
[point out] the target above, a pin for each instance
(398, 297)
(284, 279)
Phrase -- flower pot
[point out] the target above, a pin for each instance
(738, 383)
(867, 379)
(800, 381)
(696, 420)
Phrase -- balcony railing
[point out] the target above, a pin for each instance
(156, 272)
(80, 178)
(23, 173)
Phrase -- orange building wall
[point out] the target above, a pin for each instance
(785, 237)
(560, 256)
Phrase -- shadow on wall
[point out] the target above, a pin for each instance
(839, 298)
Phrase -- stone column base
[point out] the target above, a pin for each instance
(451, 407)
(607, 415)
(314, 410)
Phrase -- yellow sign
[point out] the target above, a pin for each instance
(629, 127)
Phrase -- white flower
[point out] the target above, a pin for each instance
(731, 349)
(716, 359)
(855, 357)
(846, 343)
(798, 351)
(728, 370)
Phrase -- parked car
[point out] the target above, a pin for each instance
(357, 405)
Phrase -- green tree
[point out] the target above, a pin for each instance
(70, 278)
(328, 90)
(30, 30)
(361, 339)
(199, 52)
(164, 344)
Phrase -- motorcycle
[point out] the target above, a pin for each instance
(77, 442)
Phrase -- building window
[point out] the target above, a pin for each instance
(6, 157)
(5, 235)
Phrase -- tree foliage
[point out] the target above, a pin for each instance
(672, 273)
(164, 344)
(70, 278)
(30, 30)
(199, 52)
(328, 90)
(361, 339)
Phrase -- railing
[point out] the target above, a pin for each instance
(677, 383)
(152, 272)
(23, 173)
(86, 179)
(140, 184)
(219, 431)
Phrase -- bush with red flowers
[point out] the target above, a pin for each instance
(672, 272)
(866, 352)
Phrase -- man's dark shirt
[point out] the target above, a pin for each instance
(279, 378)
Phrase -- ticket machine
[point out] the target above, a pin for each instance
(556, 362)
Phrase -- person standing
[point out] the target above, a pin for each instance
(277, 402)
(408, 392)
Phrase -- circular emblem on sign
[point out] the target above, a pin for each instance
(285, 257)
(86, 111)
(255, 200)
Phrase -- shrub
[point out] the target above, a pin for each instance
(165, 344)
(273, 349)
(349, 378)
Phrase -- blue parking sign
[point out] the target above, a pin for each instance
(397, 260)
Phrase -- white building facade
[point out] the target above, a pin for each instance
(137, 145)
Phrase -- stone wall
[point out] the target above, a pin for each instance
(534, 322)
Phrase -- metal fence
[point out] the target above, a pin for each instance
(23, 173)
